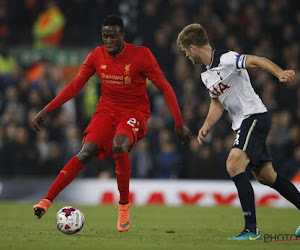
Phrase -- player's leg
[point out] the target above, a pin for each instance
(72, 168)
(66, 176)
(236, 165)
(126, 136)
(247, 149)
(121, 146)
(98, 134)
(267, 176)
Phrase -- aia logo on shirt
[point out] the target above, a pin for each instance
(218, 89)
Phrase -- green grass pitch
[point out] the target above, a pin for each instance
(153, 227)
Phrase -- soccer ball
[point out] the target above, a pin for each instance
(69, 220)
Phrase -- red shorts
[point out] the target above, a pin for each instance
(104, 126)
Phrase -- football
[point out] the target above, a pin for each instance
(69, 220)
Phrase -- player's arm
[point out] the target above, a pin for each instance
(153, 72)
(214, 114)
(253, 61)
(71, 90)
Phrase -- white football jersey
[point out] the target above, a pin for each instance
(227, 79)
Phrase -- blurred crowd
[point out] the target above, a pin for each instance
(269, 28)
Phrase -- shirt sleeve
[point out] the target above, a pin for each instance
(153, 72)
(73, 88)
(234, 61)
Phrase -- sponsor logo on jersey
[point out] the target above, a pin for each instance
(218, 89)
(115, 79)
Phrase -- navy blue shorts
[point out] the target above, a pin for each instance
(252, 136)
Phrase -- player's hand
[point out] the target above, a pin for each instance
(286, 76)
(38, 119)
(184, 134)
(203, 132)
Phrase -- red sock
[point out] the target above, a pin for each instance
(66, 175)
(123, 175)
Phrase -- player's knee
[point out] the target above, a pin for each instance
(121, 144)
(233, 167)
(265, 180)
(265, 175)
(87, 153)
(237, 162)
(84, 156)
(120, 148)
(233, 170)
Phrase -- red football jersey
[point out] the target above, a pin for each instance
(123, 81)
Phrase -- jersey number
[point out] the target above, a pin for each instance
(133, 122)
(237, 139)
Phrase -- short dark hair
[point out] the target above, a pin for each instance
(114, 21)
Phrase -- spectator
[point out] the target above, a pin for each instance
(4, 27)
(72, 143)
(48, 28)
(168, 162)
(43, 146)
(25, 153)
(142, 160)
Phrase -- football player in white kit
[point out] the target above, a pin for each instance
(224, 73)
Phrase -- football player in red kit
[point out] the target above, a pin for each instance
(121, 114)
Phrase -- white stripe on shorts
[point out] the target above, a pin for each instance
(249, 134)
